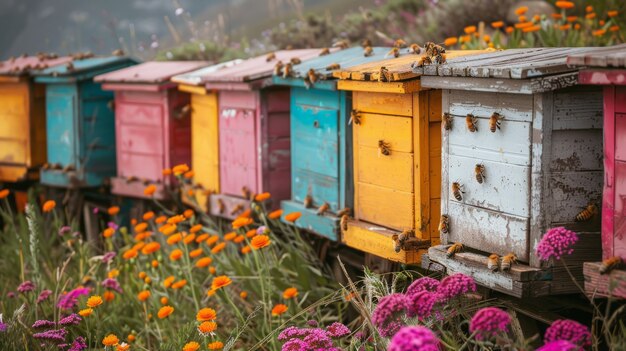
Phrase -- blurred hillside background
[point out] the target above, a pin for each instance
(222, 29)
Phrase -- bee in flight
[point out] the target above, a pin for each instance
(587, 213)
(495, 121)
(479, 172)
(610, 264)
(457, 191)
(454, 249)
(471, 121)
(492, 262)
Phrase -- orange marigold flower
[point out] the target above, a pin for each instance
(188, 213)
(564, 4)
(113, 210)
(179, 284)
(154, 263)
(174, 238)
(246, 249)
(571, 18)
(279, 309)
(246, 214)
(206, 314)
(556, 16)
(165, 311)
(250, 233)
(204, 262)
(142, 236)
(164, 300)
(212, 270)
(131, 337)
(196, 228)
(176, 255)
(168, 281)
(614, 28)
(148, 215)
(176, 219)
(521, 10)
(189, 174)
(523, 25)
(262, 197)
(133, 221)
(4, 193)
(497, 24)
(599, 32)
(202, 237)
(212, 240)
(180, 169)
(150, 190)
(191, 346)
(469, 29)
(534, 28)
(166, 172)
(215, 345)
(150, 247)
(110, 340)
(167, 229)
(219, 247)
(49, 205)
(260, 241)
(85, 312)
(522, 19)
(293, 216)
(94, 301)
(129, 254)
(138, 246)
(243, 294)
(189, 238)
(190, 192)
(160, 219)
(536, 18)
(450, 41)
(230, 236)
(589, 8)
(241, 222)
(590, 15)
(123, 347)
(487, 38)
(275, 214)
(601, 22)
(108, 296)
(577, 26)
(113, 273)
(612, 13)
(141, 227)
(220, 282)
(207, 327)
(290, 293)
(144, 295)
(147, 280)
(107, 233)
(195, 253)
(566, 26)
(239, 239)
(210, 292)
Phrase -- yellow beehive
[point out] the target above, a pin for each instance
(399, 191)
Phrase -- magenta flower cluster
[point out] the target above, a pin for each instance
(489, 322)
(69, 300)
(422, 284)
(558, 345)
(556, 243)
(43, 296)
(456, 285)
(26, 287)
(421, 304)
(113, 284)
(415, 338)
(568, 330)
(79, 344)
(388, 314)
(54, 335)
(299, 339)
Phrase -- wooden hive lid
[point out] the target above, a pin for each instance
(197, 77)
(601, 57)
(154, 72)
(24, 65)
(80, 69)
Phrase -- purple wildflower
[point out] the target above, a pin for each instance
(64, 230)
(69, 300)
(312, 323)
(556, 243)
(455, 285)
(95, 210)
(292, 332)
(294, 345)
(108, 257)
(111, 283)
(558, 345)
(360, 335)
(72, 319)
(262, 230)
(3, 326)
(421, 304)
(415, 338)
(337, 330)
(569, 330)
(10, 294)
(318, 339)
(387, 316)
(54, 335)
(112, 225)
(489, 322)
(423, 284)
(79, 344)
(43, 296)
(42, 323)
(26, 287)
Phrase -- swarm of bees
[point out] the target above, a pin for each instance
(587, 213)
(355, 116)
(433, 53)
(322, 209)
(384, 148)
(471, 121)
(400, 241)
(454, 249)
(479, 172)
(457, 191)
(444, 224)
(610, 264)
(495, 121)
(446, 121)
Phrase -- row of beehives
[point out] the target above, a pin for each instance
(520, 149)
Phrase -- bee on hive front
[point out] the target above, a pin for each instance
(587, 213)
(395, 52)
(400, 240)
(131, 179)
(457, 191)
(384, 148)
(454, 249)
(492, 262)
(470, 121)
(311, 78)
(508, 261)
(295, 61)
(308, 201)
(399, 43)
(341, 44)
(245, 191)
(344, 211)
(446, 121)
(440, 59)
(287, 70)
(433, 49)
(278, 68)
(220, 206)
(344, 222)
(383, 74)
(271, 56)
(423, 61)
(322, 209)
(479, 172)
(415, 49)
(444, 224)
(324, 52)
(333, 67)
(495, 121)
(236, 209)
(610, 264)
(355, 116)
(368, 51)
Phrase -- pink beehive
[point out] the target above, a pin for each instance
(254, 144)
(152, 125)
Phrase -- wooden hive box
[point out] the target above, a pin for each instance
(542, 167)
(606, 67)
(152, 125)
(321, 141)
(204, 135)
(399, 191)
(23, 116)
(253, 132)
(79, 123)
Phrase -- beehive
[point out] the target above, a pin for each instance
(204, 135)
(541, 167)
(606, 67)
(398, 191)
(23, 115)
(253, 132)
(79, 122)
(321, 157)
(152, 125)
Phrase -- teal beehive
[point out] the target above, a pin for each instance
(321, 140)
(80, 122)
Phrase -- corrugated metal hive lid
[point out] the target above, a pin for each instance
(197, 77)
(28, 64)
(609, 57)
(153, 72)
(345, 58)
(79, 66)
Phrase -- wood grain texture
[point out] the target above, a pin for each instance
(611, 56)
(121, 186)
(230, 204)
(608, 191)
(385, 206)
(403, 87)
(15, 138)
(326, 225)
(205, 145)
(603, 285)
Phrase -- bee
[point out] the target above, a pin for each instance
(344, 211)
(423, 61)
(355, 116)
(220, 206)
(295, 61)
(45, 166)
(278, 68)
(399, 43)
(236, 209)
(312, 76)
(341, 44)
(446, 121)
(57, 166)
(471, 121)
(492, 262)
(118, 52)
(366, 42)
(507, 262)
(322, 209)
(479, 172)
(433, 49)
(69, 66)
(287, 71)
(333, 67)
(444, 224)
(415, 49)
(384, 148)
(111, 105)
(183, 111)
(610, 264)
(383, 74)
(368, 51)
(145, 181)
(245, 191)
(324, 52)
(587, 213)
(344, 222)
(495, 121)
(454, 249)
(440, 59)
(69, 168)
(131, 179)
(271, 56)
(308, 201)
(400, 240)
(457, 191)
(395, 52)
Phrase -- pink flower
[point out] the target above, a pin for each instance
(456, 285)
(415, 338)
(387, 316)
(569, 330)
(337, 330)
(489, 322)
(559, 345)
(423, 284)
(421, 304)
(556, 243)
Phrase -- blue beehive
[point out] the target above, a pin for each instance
(80, 122)
(321, 141)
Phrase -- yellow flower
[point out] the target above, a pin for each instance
(292, 217)
(211, 292)
(113, 273)
(250, 233)
(147, 280)
(212, 270)
(556, 16)
(180, 169)
(262, 197)
(290, 293)
(206, 314)
(191, 346)
(220, 282)
(165, 311)
(150, 190)
(179, 284)
(167, 229)
(168, 281)
(521, 10)
(85, 312)
(110, 340)
(219, 247)
(239, 239)
(450, 41)
(94, 301)
(49, 205)
(204, 262)
(207, 327)
(215, 345)
(279, 309)
(4, 193)
(509, 30)
(523, 25)
(176, 255)
(522, 19)
(571, 18)
(564, 4)
(260, 241)
(143, 295)
(275, 214)
(242, 222)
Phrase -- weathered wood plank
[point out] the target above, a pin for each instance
(576, 150)
(230, 204)
(385, 206)
(513, 107)
(604, 285)
(381, 87)
(578, 109)
(611, 56)
(571, 192)
(394, 171)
